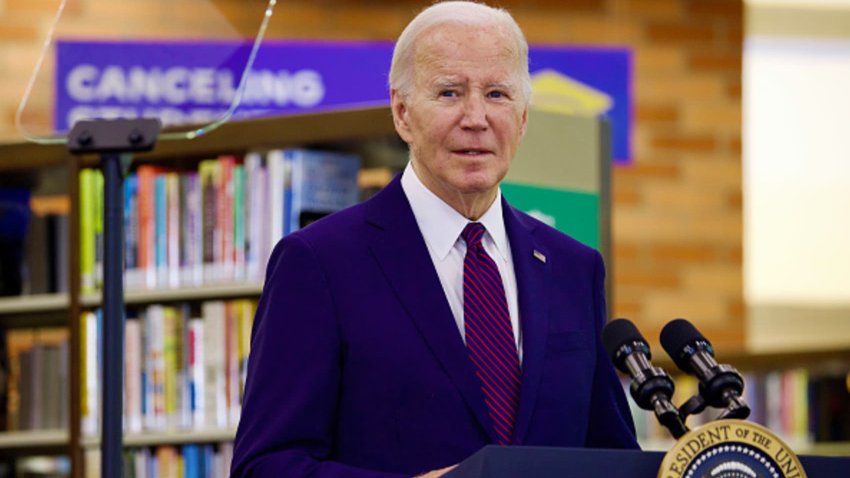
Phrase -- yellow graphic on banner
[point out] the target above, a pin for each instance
(556, 92)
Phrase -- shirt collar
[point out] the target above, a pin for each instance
(441, 225)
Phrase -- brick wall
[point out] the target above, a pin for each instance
(677, 209)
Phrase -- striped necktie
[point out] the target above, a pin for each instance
(489, 336)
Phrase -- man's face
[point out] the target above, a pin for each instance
(465, 114)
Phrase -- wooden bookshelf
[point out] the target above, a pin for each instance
(169, 437)
(30, 304)
(199, 293)
(33, 439)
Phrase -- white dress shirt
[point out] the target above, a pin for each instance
(441, 226)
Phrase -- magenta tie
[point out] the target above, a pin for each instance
(489, 335)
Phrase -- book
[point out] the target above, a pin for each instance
(132, 375)
(181, 330)
(36, 269)
(37, 381)
(132, 277)
(278, 179)
(173, 229)
(18, 341)
(97, 223)
(154, 343)
(14, 219)
(239, 223)
(224, 252)
(90, 369)
(322, 182)
(191, 240)
(209, 172)
(256, 236)
(146, 175)
(160, 222)
(215, 368)
(58, 251)
(88, 204)
(197, 380)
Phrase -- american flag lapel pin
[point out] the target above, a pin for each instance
(539, 256)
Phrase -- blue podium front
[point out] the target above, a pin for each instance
(541, 462)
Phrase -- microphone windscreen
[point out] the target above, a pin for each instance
(618, 332)
(675, 336)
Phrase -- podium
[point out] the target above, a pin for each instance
(542, 462)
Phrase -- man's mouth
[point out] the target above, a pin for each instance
(472, 152)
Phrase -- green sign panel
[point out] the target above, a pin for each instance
(571, 212)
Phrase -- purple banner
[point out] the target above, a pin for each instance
(186, 82)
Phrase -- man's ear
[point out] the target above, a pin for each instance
(398, 103)
(524, 123)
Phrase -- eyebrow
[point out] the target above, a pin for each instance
(449, 83)
(501, 85)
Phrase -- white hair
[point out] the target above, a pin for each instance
(462, 12)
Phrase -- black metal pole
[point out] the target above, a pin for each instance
(113, 314)
(115, 140)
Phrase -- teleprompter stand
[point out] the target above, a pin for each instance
(115, 141)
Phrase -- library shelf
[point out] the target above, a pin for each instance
(33, 440)
(28, 304)
(199, 293)
(169, 437)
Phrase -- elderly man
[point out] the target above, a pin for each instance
(405, 333)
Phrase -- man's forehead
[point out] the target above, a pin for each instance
(448, 39)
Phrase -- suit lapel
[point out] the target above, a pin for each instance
(533, 284)
(402, 254)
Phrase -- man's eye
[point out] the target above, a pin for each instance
(448, 93)
(497, 94)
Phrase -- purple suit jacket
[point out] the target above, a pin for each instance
(357, 368)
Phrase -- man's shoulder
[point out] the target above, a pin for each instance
(355, 223)
(341, 226)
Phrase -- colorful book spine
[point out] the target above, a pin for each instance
(161, 228)
(191, 245)
(321, 183)
(246, 311)
(210, 173)
(239, 223)
(87, 229)
(173, 228)
(231, 363)
(277, 177)
(254, 207)
(147, 227)
(155, 415)
(132, 277)
(90, 335)
(214, 314)
(132, 376)
(98, 228)
(197, 380)
(170, 366)
(224, 252)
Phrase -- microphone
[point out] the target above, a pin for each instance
(720, 386)
(651, 387)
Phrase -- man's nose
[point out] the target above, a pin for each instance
(474, 113)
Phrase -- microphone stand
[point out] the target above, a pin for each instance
(115, 141)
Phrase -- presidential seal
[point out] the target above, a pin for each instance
(730, 449)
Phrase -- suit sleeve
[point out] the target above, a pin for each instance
(293, 380)
(610, 424)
